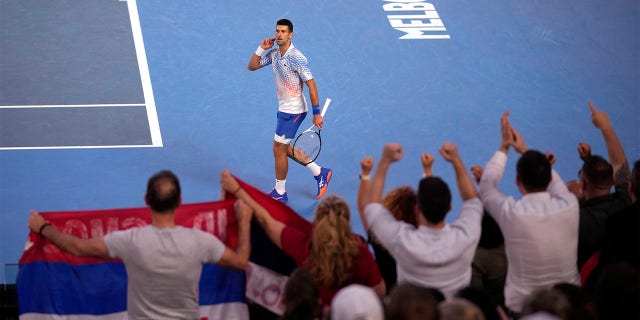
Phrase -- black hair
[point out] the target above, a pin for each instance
(482, 299)
(411, 302)
(163, 191)
(534, 171)
(597, 171)
(285, 22)
(434, 198)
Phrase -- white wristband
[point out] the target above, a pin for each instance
(364, 177)
(259, 51)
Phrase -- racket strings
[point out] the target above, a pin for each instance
(307, 144)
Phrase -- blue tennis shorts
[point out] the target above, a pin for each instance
(287, 126)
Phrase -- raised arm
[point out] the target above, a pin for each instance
(391, 152)
(491, 196)
(366, 164)
(93, 247)
(254, 61)
(271, 226)
(465, 185)
(239, 258)
(426, 159)
(615, 150)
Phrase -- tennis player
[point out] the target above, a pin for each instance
(291, 70)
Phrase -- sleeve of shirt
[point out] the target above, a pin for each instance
(211, 248)
(382, 223)
(492, 198)
(470, 218)
(556, 185)
(295, 243)
(267, 58)
(302, 68)
(117, 242)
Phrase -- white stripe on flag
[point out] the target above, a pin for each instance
(265, 287)
(226, 311)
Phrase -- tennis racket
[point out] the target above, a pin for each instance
(308, 144)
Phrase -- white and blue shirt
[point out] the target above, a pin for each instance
(291, 72)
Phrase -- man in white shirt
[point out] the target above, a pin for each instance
(540, 229)
(291, 70)
(435, 254)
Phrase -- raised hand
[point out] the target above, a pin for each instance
(426, 159)
(36, 221)
(392, 152)
(243, 211)
(366, 164)
(599, 118)
(267, 43)
(551, 157)
(518, 142)
(477, 171)
(506, 132)
(449, 151)
(228, 182)
(584, 151)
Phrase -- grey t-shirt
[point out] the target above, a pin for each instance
(163, 268)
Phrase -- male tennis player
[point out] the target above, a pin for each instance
(291, 69)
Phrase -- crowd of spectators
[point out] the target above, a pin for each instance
(560, 250)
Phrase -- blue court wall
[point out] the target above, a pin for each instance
(541, 60)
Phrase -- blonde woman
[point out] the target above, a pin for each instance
(335, 256)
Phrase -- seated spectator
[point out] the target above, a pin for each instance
(618, 291)
(581, 308)
(489, 266)
(597, 177)
(459, 309)
(401, 202)
(540, 229)
(436, 254)
(356, 302)
(301, 297)
(411, 302)
(483, 300)
(335, 256)
(547, 300)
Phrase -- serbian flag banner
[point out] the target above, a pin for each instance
(53, 284)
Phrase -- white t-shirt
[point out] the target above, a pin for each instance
(163, 268)
(540, 233)
(428, 257)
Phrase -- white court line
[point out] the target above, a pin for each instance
(152, 115)
(73, 106)
(78, 147)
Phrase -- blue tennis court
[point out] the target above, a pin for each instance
(77, 133)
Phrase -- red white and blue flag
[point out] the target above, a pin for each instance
(53, 284)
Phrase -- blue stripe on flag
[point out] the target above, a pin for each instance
(101, 288)
(64, 289)
(220, 285)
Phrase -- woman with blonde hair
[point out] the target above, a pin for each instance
(335, 255)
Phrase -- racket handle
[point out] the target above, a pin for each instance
(327, 102)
